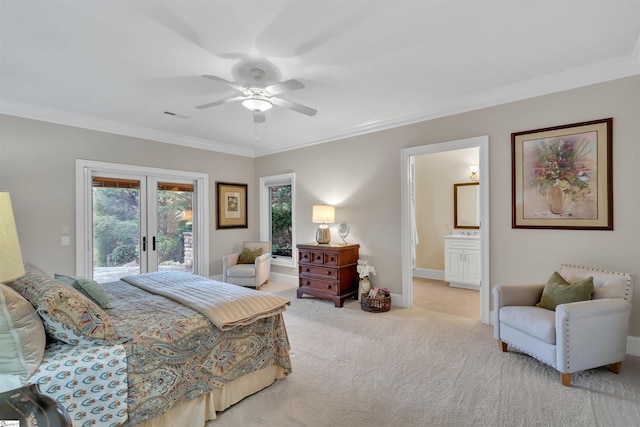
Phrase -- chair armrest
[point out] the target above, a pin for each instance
(592, 308)
(526, 294)
(262, 258)
(505, 295)
(591, 333)
(229, 261)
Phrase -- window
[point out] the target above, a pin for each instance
(277, 202)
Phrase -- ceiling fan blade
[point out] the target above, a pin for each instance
(293, 106)
(225, 82)
(223, 101)
(287, 86)
(258, 117)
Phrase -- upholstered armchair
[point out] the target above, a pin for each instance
(576, 336)
(251, 267)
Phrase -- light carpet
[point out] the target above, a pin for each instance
(437, 295)
(414, 367)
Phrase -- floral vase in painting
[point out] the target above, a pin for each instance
(556, 199)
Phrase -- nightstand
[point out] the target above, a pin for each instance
(328, 271)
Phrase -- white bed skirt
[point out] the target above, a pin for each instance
(197, 412)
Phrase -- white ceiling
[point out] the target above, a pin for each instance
(118, 66)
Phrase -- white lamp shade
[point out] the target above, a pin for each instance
(11, 265)
(323, 214)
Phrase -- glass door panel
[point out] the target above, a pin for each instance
(117, 224)
(173, 243)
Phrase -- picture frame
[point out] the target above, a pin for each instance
(231, 205)
(562, 177)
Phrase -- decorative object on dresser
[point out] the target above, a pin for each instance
(328, 271)
(343, 231)
(323, 215)
(462, 260)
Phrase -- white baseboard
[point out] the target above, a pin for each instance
(425, 273)
(287, 279)
(633, 346)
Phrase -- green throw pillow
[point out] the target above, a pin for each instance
(249, 256)
(90, 288)
(558, 291)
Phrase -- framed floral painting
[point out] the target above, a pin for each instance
(562, 177)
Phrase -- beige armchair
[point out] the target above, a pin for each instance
(576, 336)
(253, 274)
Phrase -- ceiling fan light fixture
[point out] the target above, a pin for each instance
(256, 104)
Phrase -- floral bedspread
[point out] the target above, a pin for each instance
(175, 354)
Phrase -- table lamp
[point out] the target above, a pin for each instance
(323, 214)
(11, 265)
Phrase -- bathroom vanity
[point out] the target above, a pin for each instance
(462, 260)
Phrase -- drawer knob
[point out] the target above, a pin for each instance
(307, 270)
(328, 273)
(308, 282)
(328, 286)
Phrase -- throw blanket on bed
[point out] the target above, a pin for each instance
(226, 306)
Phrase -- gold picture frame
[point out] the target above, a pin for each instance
(562, 177)
(231, 205)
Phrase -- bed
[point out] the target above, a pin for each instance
(158, 356)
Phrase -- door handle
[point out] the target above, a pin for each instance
(144, 244)
(154, 243)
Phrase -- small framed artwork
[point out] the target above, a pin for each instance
(562, 177)
(231, 205)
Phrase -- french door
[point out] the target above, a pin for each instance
(139, 220)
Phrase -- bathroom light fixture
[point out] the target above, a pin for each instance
(257, 104)
(323, 214)
(474, 173)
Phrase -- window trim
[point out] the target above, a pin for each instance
(84, 173)
(265, 221)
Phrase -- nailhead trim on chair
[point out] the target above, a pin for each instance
(627, 290)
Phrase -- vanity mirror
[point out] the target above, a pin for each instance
(465, 205)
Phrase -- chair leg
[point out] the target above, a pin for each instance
(566, 379)
(503, 346)
(615, 367)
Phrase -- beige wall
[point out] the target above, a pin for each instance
(37, 166)
(435, 175)
(360, 175)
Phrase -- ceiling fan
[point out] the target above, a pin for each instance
(259, 98)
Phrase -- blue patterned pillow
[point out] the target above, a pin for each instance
(67, 315)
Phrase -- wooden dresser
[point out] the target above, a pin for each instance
(328, 271)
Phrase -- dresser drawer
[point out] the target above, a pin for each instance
(322, 272)
(326, 286)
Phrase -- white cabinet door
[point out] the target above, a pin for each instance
(471, 269)
(454, 265)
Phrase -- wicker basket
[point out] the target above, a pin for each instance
(375, 305)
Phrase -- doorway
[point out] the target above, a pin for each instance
(408, 215)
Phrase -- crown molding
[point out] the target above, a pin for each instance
(571, 79)
(558, 82)
(67, 118)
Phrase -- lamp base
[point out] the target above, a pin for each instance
(323, 235)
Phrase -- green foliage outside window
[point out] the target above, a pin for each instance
(281, 220)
